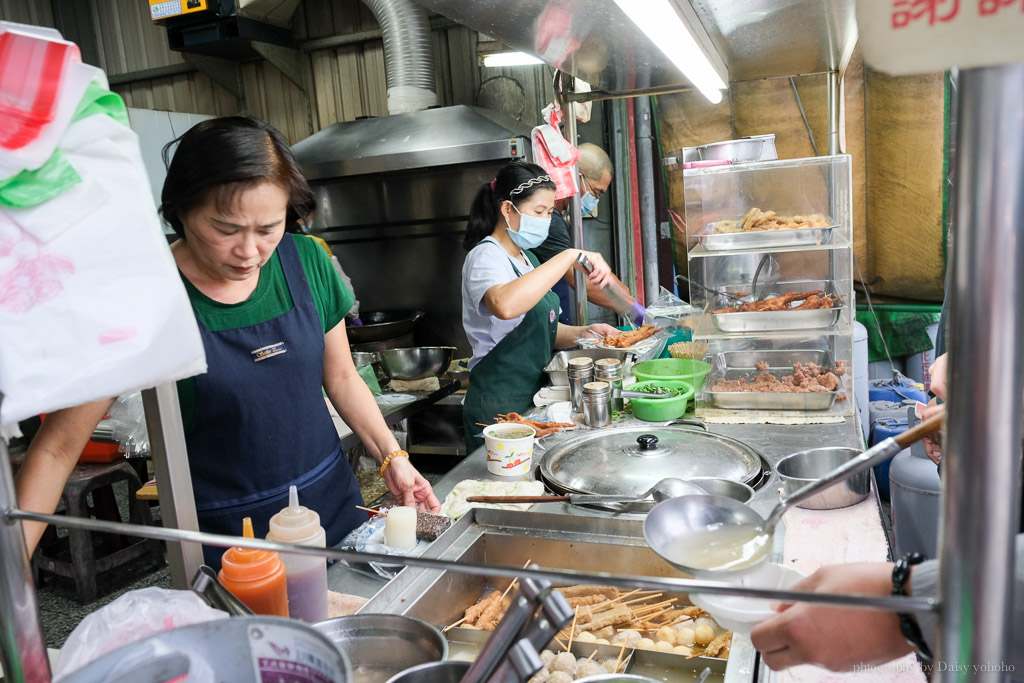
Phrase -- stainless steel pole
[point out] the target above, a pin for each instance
(834, 101)
(566, 83)
(170, 462)
(22, 647)
(648, 212)
(981, 463)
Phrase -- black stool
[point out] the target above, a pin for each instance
(84, 555)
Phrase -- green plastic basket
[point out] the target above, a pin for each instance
(661, 409)
(677, 369)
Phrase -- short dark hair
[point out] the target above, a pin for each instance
(516, 182)
(226, 156)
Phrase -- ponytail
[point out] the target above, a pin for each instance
(515, 182)
(482, 216)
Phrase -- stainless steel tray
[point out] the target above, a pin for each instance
(776, 321)
(772, 400)
(737, 364)
(764, 239)
(509, 538)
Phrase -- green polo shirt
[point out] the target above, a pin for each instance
(270, 299)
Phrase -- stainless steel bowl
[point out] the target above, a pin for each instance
(724, 487)
(418, 362)
(361, 358)
(435, 672)
(381, 645)
(802, 468)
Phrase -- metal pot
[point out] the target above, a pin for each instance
(435, 672)
(418, 362)
(380, 325)
(379, 646)
(223, 650)
(800, 469)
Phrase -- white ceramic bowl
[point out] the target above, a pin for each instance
(509, 448)
(743, 614)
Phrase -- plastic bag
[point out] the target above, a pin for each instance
(669, 312)
(127, 419)
(91, 303)
(133, 616)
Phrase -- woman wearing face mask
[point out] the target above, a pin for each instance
(508, 309)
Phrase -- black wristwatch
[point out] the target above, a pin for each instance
(908, 625)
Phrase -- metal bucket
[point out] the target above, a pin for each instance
(379, 646)
(239, 649)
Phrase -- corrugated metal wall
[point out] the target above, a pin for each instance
(348, 81)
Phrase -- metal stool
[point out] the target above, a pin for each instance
(78, 558)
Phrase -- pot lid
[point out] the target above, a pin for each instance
(633, 459)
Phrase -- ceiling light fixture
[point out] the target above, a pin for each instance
(510, 59)
(661, 22)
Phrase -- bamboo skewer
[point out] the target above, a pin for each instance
(360, 507)
(572, 629)
(622, 651)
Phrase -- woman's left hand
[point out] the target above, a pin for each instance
(409, 487)
(602, 330)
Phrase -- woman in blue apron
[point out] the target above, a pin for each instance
(508, 309)
(270, 309)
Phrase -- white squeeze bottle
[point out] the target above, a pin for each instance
(306, 574)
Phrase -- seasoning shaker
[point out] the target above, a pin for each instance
(597, 398)
(610, 370)
(580, 371)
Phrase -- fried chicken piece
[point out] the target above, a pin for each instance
(626, 339)
(542, 428)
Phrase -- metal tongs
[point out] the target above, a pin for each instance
(213, 592)
(512, 651)
(622, 307)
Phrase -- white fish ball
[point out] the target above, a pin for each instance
(565, 662)
(666, 634)
(704, 634)
(663, 646)
(560, 677)
(586, 637)
(588, 667)
(603, 641)
(685, 636)
(645, 644)
(546, 657)
(682, 650)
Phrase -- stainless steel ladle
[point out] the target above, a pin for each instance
(675, 527)
(666, 489)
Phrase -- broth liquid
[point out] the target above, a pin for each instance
(722, 546)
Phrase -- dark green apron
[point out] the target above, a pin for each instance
(506, 379)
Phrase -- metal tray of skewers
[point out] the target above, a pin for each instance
(763, 239)
(485, 537)
(736, 365)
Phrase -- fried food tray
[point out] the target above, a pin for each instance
(764, 239)
(488, 537)
(738, 364)
(777, 321)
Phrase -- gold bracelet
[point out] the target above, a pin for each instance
(387, 461)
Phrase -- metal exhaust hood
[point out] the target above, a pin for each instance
(416, 140)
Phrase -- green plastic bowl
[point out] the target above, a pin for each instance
(675, 369)
(661, 409)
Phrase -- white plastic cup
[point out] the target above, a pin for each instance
(509, 449)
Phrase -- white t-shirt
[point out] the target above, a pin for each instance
(487, 265)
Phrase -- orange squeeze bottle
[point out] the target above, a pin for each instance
(256, 577)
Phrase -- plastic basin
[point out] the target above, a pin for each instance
(661, 409)
(677, 369)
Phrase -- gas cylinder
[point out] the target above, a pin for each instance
(915, 488)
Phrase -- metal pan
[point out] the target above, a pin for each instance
(775, 321)
(380, 325)
(737, 364)
(764, 239)
(772, 400)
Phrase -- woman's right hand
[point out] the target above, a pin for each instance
(601, 275)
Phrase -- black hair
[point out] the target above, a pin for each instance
(226, 156)
(515, 182)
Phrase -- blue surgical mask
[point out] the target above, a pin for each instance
(588, 203)
(533, 230)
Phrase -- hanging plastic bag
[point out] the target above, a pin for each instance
(669, 312)
(135, 615)
(555, 154)
(91, 304)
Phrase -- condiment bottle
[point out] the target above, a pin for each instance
(596, 404)
(307, 574)
(580, 371)
(256, 577)
(610, 370)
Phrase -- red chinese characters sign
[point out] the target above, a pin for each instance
(925, 36)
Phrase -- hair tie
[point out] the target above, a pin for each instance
(493, 182)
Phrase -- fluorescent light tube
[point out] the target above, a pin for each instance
(660, 21)
(510, 59)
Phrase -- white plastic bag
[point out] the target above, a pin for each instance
(95, 308)
(135, 615)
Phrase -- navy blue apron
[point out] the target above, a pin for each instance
(261, 424)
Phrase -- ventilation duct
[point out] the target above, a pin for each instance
(408, 55)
